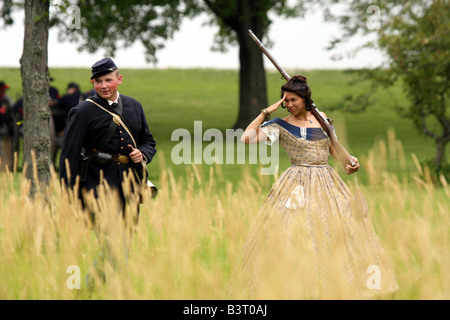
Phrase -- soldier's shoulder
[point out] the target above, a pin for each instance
(84, 107)
(128, 99)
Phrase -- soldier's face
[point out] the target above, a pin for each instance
(106, 86)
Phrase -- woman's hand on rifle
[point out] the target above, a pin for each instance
(352, 169)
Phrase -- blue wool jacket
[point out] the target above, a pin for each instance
(87, 124)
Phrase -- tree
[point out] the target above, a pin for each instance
(35, 83)
(235, 18)
(414, 36)
(109, 24)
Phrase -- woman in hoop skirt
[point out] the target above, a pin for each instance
(314, 237)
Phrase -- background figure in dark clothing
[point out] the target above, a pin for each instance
(5, 110)
(60, 112)
(6, 128)
(54, 94)
(65, 103)
(53, 102)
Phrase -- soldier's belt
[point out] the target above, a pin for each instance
(105, 157)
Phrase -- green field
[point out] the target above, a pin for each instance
(189, 239)
(175, 98)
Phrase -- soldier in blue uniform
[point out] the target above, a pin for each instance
(94, 141)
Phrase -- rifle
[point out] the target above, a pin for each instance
(343, 155)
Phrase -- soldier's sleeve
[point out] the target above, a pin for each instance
(146, 142)
(74, 136)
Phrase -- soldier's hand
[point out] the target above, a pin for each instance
(135, 154)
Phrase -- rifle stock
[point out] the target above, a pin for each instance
(343, 155)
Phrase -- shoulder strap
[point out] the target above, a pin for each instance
(107, 135)
(143, 169)
(117, 118)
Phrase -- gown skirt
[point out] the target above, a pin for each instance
(313, 236)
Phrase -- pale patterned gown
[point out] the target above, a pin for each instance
(322, 222)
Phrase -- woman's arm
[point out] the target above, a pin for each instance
(349, 169)
(252, 134)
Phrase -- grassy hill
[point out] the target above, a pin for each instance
(190, 238)
(175, 98)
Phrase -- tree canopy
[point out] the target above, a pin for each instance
(414, 36)
(119, 23)
(111, 24)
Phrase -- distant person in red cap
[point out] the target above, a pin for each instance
(5, 109)
(6, 128)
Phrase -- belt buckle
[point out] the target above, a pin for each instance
(123, 159)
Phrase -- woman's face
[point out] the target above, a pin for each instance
(294, 103)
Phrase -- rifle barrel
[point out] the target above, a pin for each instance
(344, 157)
(268, 55)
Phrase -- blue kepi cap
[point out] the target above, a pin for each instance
(102, 67)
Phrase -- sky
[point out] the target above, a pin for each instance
(190, 48)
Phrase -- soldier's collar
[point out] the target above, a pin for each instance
(115, 101)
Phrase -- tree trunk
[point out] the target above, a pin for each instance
(440, 152)
(252, 78)
(35, 83)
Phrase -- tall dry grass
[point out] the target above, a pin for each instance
(189, 241)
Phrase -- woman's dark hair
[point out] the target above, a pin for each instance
(299, 86)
